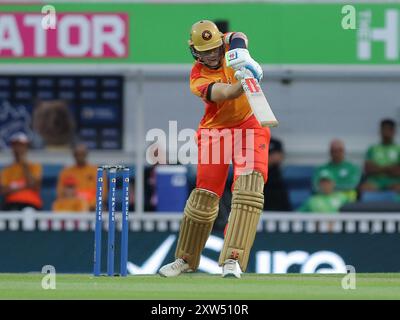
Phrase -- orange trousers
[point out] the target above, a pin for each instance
(245, 146)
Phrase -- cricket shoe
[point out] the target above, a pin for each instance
(231, 268)
(175, 268)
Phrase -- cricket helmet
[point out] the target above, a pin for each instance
(205, 35)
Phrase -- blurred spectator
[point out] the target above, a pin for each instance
(150, 190)
(326, 200)
(275, 190)
(20, 182)
(69, 201)
(53, 121)
(84, 174)
(155, 155)
(150, 194)
(345, 174)
(131, 194)
(382, 163)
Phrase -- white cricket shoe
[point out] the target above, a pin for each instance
(175, 268)
(231, 268)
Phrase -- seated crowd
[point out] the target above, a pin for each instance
(339, 182)
(20, 182)
(334, 184)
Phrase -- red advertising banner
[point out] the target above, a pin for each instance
(76, 35)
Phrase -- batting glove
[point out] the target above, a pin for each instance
(243, 73)
(240, 58)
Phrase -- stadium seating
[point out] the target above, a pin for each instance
(49, 184)
(298, 196)
(371, 207)
(298, 179)
(298, 176)
(172, 187)
(379, 196)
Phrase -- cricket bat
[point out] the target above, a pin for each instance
(258, 102)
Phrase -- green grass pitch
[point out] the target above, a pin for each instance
(201, 286)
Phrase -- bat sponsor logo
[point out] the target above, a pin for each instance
(232, 56)
(252, 85)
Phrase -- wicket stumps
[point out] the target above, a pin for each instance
(112, 177)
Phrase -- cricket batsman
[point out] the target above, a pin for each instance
(222, 60)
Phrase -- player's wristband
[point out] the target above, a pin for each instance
(237, 43)
(209, 88)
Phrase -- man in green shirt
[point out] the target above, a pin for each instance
(326, 200)
(346, 175)
(382, 163)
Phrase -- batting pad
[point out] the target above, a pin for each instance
(199, 215)
(247, 205)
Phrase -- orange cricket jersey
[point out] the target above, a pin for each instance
(70, 205)
(225, 114)
(85, 178)
(13, 176)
